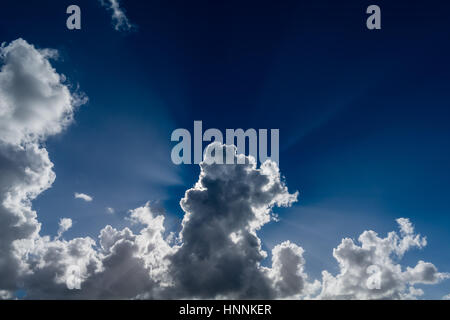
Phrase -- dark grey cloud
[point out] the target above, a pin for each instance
(220, 253)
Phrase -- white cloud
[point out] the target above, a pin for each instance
(288, 272)
(83, 196)
(119, 18)
(446, 297)
(383, 253)
(5, 295)
(64, 225)
(35, 102)
(110, 210)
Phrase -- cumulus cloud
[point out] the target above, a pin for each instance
(376, 259)
(83, 196)
(119, 18)
(288, 272)
(217, 253)
(218, 241)
(139, 258)
(52, 264)
(35, 102)
(221, 253)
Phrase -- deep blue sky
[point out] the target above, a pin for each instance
(363, 115)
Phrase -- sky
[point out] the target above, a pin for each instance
(364, 139)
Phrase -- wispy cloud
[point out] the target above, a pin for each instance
(119, 18)
(83, 196)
